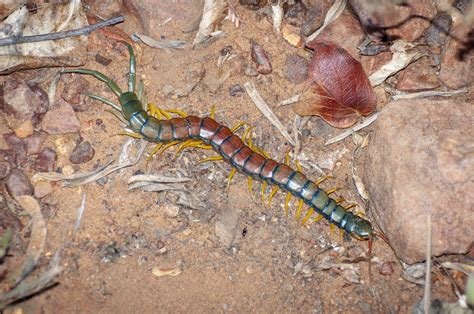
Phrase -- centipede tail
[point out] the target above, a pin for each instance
(233, 150)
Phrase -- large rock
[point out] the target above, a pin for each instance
(419, 162)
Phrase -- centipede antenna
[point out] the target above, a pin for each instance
(105, 101)
(100, 76)
(140, 88)
(133, 67)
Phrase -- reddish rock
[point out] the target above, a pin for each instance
(42, 188)
(18, 183)
(419, 163)
(82, 153)
(314, 18)
(457, 63)
(61, 119)
(17, 149)
(407, 21)
(74, 91)
(23, 99)
(418, 76)
(345, 32)
(296, 69)
(34, 142)
(386, 269)
(46, 160)
(294, 13)
(5, 168)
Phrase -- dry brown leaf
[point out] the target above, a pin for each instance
(339, 89)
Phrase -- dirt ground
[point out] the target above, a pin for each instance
(273, 264)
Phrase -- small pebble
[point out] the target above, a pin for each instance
(18, 183)
(386, 269)
(260, 57)
(61, 120)
(171, 211)
(42, 188)
(236, 90)
(24, 129)
(46, 160)
(83, 152)
(102, 60)
(253, 4)
(187, 232)
(296, 69)
(34, 142)
(23, 99)
(288, 286)
(295, 13)
(67, 170)
(5, 168)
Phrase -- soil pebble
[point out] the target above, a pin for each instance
(18, 183)
(46, 160)
(61, 120)
(5, 168)
(34, 143)
(23, 99)
(42, 188)
(83, 152)
(296, 69)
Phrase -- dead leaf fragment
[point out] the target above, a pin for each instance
(160, 272)
(339, 90)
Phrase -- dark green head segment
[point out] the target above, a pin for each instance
(357, 226)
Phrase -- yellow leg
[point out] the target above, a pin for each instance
(321, 180)
(318, 218)
(168, 145)
(272, 194)
(298, 209)
(154, 151)
(298, 166)
(350, 206)
(287, 203)
(308, 215)
(329, 192)
(204, 146)
(164, 113)
(229, 178)
(339, 200)
(177, 112)
(186, 144)
(287, 158)
(154, 111)
(132, 134)
(249, 184)
(213, 112)
(262, 192)
(212, 158)
(236, 127)
(331, 226)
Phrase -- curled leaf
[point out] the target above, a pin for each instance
(339, 89)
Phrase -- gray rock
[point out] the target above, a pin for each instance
(420, 162)
(296, 69)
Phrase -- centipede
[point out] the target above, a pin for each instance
(243, 157)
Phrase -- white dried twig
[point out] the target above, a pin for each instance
(430, 93)
(400, 60)
(333, 14)
(291, 100)
(267, 112)
(72, 8)
(160, 44)
(353, 129)
(80, 212)
(427, 289)
(277, 16)
(232, 15)
(210, 16)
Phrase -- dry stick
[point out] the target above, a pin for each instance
(427, 290)
(14, 40)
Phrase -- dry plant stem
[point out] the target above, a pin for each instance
(333, 14)
(353, 129)
(60, 35)
(430, 93)
(267, 112)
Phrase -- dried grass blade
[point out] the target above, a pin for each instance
(333, 13)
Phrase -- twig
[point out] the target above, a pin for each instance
(14, 40)
(353, 129)
(431, 93)
(267, 112)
